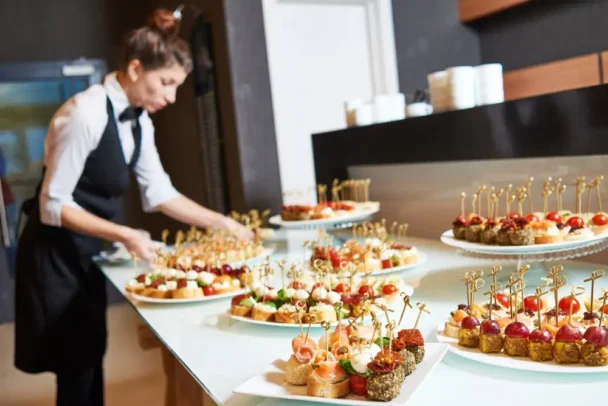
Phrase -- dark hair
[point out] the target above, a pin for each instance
(156, 44)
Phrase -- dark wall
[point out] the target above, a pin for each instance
(544, 31)
(429, 37)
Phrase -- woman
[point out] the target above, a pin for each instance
(94, 141)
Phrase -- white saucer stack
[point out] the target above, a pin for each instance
(489, 87)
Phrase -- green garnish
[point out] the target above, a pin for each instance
(348, 368)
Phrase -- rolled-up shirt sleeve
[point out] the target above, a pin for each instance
(154, 183)
(68, 145)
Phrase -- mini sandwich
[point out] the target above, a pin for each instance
(468, 335)
(328, 380)
(299, 365)
(516, 339)
(264, 311)
(285, 314)
(187, 290)
(242, 305)
(595, 349)
(323, 312)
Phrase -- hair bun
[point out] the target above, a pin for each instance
(164, 21)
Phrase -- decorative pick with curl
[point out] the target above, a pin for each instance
(594, 275)
(421, 308)
(559, 281)
(603, 306)
(494, 287)
(326, 325)
(576, 291)
(541, 291)
(463, 196)
(406, 304)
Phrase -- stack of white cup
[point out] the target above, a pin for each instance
(381, 109)
(461, 87)
(438, 91)
(489, 87)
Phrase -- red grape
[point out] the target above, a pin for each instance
(597, 335)
(513, 215)
(227, 269)
(541, 336)
(469, 322)
(489, 327)
(569, 334)
(517, 330)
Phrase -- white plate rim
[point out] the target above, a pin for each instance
(518, 363)
(357, 215)
(448, 238)
(439, 353)
(146, 299)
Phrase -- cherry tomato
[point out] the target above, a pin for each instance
(387, 263)
(564, 305)
(531, 218)
(532, 303)
(318, 285)
(389, 289)
(503, 299)
(575, 222)
(600, 219)
(209, 290)
(513, 215)
(342, 288)
(553, 216)
(358, 385)
(366, 290)
(296, 285)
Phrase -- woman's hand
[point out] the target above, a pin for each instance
(242, 232)
(140, 244)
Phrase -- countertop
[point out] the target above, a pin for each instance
(221, 353)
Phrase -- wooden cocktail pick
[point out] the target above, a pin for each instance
(406, 304)
(576, 291)
(480, 192)
(463, 197)
(473, 203)
(598, 183)
(421, 308)
(541, 291)
(529, 188)
(558, 282)
(594, 275)
(513, 286)
(468, 282)
(164, 236)
(603, 309)
(326, 325)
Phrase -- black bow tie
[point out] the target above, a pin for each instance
(130, 114)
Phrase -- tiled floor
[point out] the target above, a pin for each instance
(133, 376)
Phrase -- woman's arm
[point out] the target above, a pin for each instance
(87, 223)
(190, 212)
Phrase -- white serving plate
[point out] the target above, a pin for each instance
(281, 325)
(356, 215)
(522, 363)
(535, 249)
(422, 258)
(193, 300)
(270, 383)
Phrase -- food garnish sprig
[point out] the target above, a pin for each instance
(576, 291)
(558, 281)
(421, 308)
(406, 304)
(541, 291)
(594, 275)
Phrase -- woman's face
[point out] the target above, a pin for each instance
(154, 89)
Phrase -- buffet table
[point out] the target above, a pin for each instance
(221, 353)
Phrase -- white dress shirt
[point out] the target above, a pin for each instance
(76, 130)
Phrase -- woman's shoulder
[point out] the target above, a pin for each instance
(88, 106)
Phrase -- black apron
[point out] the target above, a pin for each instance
(60, 323)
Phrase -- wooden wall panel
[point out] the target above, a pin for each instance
(567, 74)
(471, 10)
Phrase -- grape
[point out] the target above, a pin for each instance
(567, 333)
(517, 330)
(541, 336)
(597, 335)
(489, 327)
(470, 322)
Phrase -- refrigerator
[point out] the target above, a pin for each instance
(30, 93)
